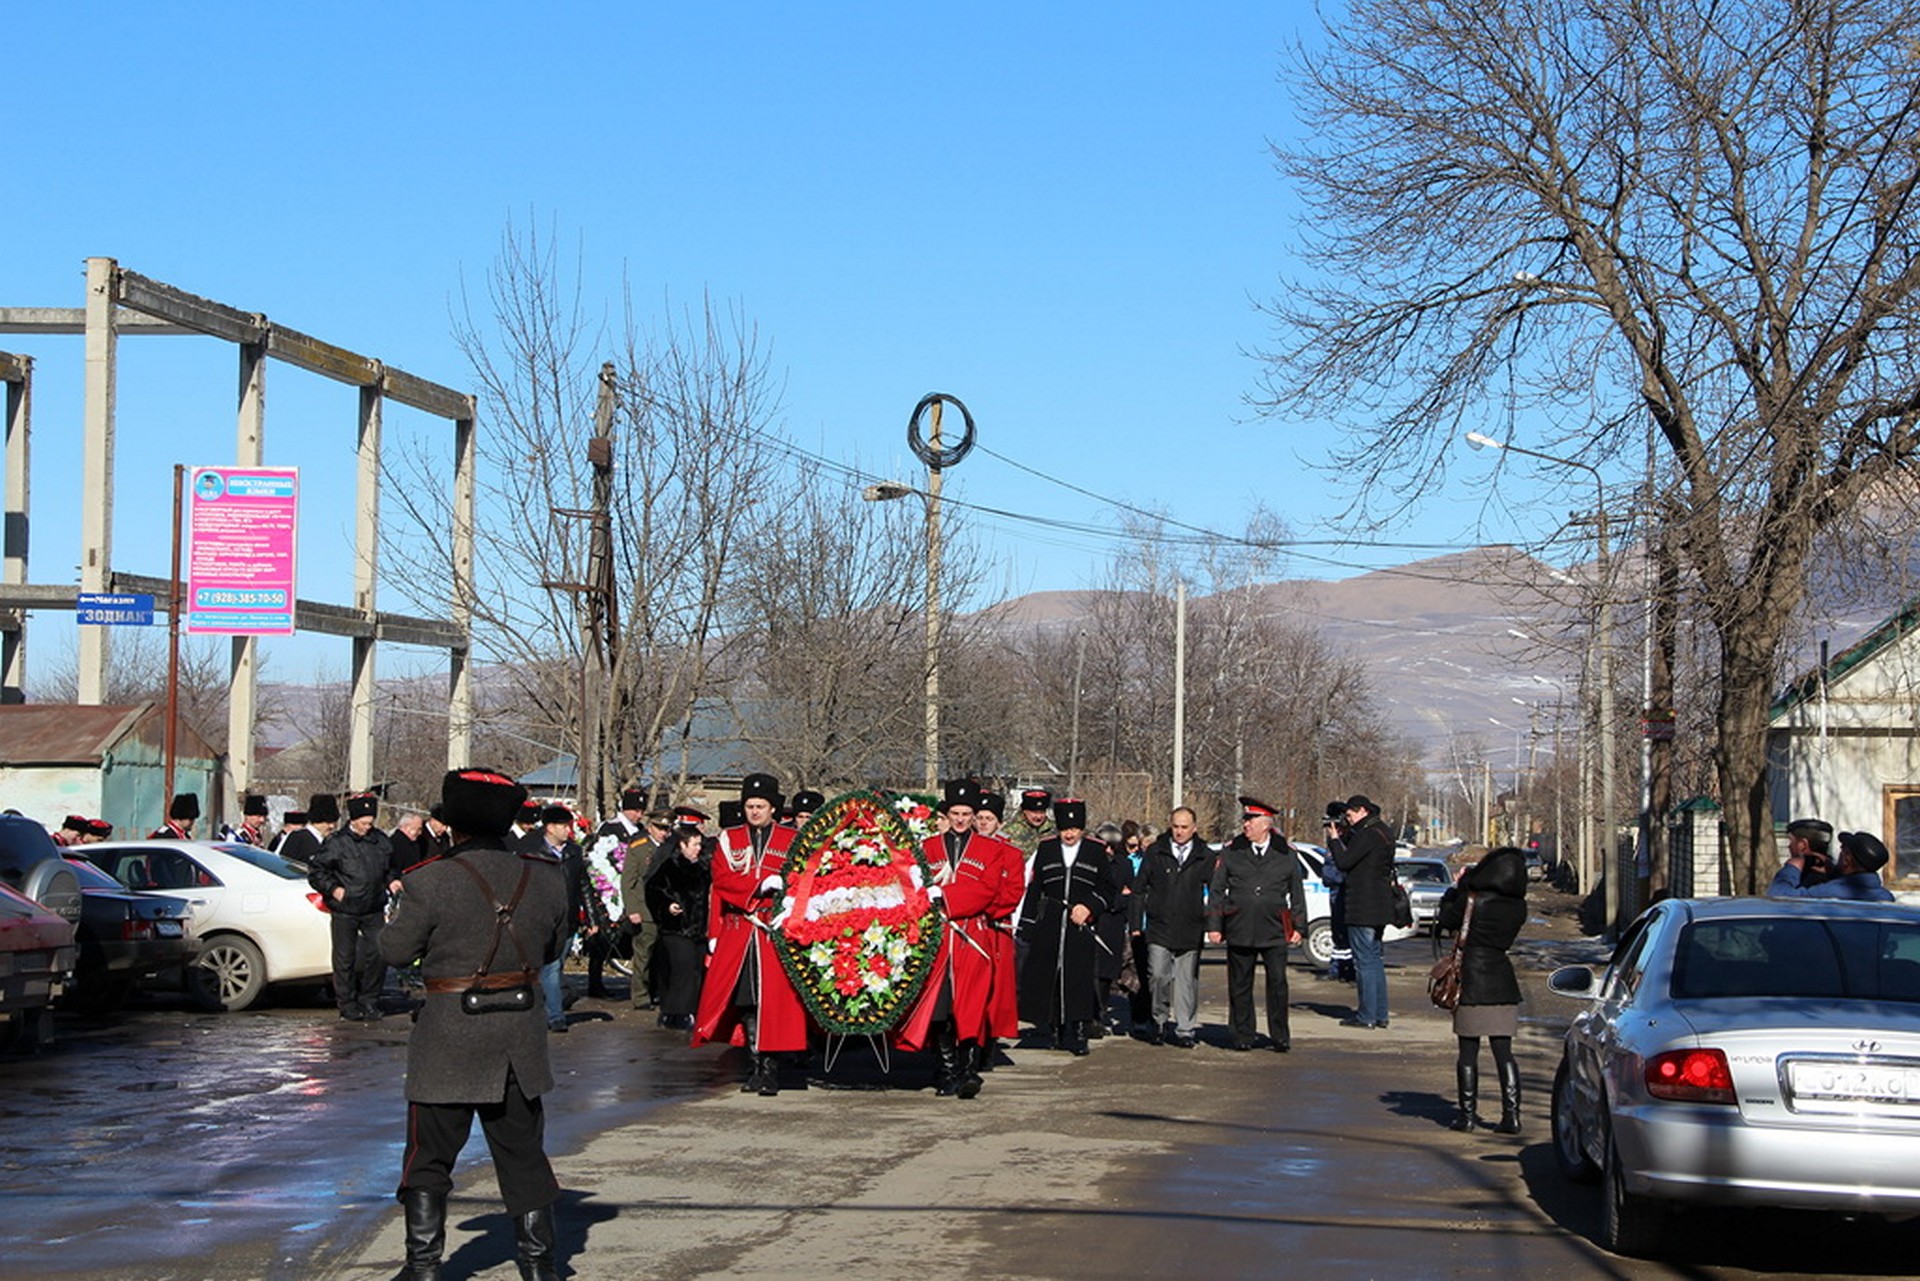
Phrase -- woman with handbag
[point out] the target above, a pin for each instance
(1487, 905)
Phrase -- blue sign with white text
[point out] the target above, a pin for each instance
(113, 609)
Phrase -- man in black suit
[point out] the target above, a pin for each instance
(1256, 906)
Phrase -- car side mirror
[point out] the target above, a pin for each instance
(1573, 980)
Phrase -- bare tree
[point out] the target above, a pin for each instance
(139, 674)
(830, 661)
(690, 460)
(1682, 217)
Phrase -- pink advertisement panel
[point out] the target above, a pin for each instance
(241, 523)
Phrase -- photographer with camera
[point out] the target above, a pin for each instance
(1810, 872)
(1335, 829)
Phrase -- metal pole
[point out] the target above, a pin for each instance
(1608, 851)
(933, 606)
(171, 739)
(1179, 694)
(1073, 750)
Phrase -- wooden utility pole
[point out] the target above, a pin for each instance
(600, 633)
(1179, 694)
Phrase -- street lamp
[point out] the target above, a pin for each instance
(938, 457)
(887, 491)
(1604, 626)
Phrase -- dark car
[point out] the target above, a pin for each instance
(126, 940)
(30, 862)
(38, 913)
(36, 963)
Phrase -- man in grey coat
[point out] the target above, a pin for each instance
(481, 918)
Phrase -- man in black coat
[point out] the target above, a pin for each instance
(1170, 913)
(553, 839)
(462, 1064)
(1256, 906)
(351, 872)
(1367, 860)
(322, 816)
(1070, 886)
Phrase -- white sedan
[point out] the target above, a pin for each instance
(256, 919)
(1318, 939)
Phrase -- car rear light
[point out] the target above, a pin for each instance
(1691, 1076)
(318, 901)
(136, 931)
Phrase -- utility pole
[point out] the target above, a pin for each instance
(600, 622)
(594, 604)
(1179, 693)
(1073, 750)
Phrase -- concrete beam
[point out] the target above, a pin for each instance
(73, 320)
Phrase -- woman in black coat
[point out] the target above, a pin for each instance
(677, 902)
(1110, 927)
(1496, 888)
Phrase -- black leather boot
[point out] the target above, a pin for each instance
(946, 1064)
(769, 1072)
(426, 1211)
(533, 1245)
(1509, 1098)
(1077, 1039)
(1467, 1077)
(968, 1083)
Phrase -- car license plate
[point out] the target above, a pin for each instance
(167, 929)
(1864, 1081)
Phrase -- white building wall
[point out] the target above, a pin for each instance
(48, 793)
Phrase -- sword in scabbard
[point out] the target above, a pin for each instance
(954, 927)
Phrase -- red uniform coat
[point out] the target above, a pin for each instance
(1003, 1005)
(737, 941)
(973, 889)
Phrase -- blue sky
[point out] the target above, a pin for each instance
(1061, 214)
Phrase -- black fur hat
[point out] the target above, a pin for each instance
(480, 802)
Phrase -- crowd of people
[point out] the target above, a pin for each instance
(1078, 932)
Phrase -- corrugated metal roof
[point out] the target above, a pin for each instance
(66, 734)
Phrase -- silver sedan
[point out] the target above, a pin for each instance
(1745, 1052)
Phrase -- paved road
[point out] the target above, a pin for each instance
(179, 1145)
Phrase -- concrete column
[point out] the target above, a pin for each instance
(96, 467)
(460, 677)
(244, 674)
(13, 630)
(366, 578)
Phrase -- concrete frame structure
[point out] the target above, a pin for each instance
(120, 302)
(17, 373)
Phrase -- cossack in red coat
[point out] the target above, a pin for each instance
(736, 918)
(973, 887)
(1003, 1006)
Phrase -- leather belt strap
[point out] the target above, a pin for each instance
(485, 982)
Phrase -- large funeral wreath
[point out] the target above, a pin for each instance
(857, 932)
